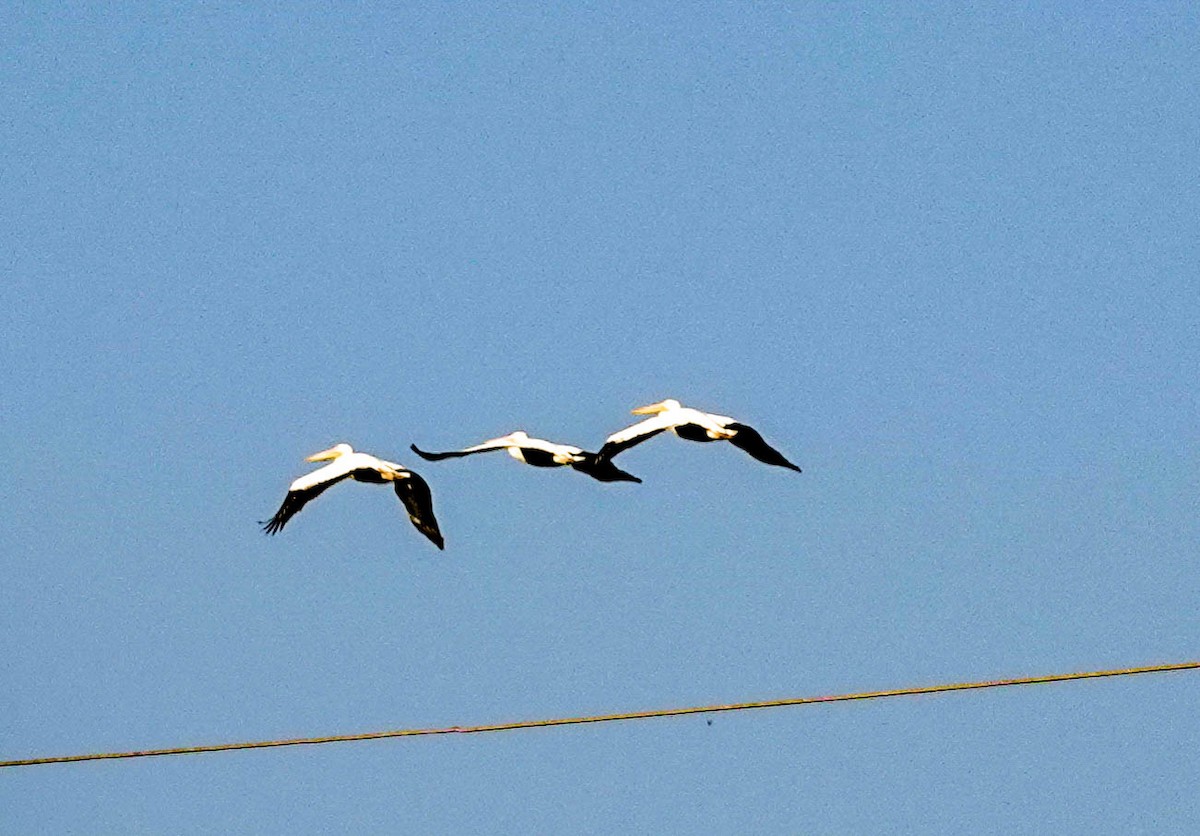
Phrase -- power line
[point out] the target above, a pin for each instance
(609, 718)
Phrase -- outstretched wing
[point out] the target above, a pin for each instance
(748, 439)
(418, 501)
(485, 447)
(630, 436)
(296, 499)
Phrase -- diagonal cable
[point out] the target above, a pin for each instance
(610, 718)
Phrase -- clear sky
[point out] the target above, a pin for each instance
(945, 260)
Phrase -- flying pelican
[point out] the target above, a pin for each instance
(347, 464)
(540, 453)
(693, 425)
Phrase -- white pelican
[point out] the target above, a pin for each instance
(347, 464)
(693, 425)
(540, 453)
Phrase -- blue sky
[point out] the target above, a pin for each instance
(943, 259)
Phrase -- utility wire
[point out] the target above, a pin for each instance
(608, 718)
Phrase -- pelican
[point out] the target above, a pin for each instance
(347, 464)
(693, 425)
(540, 453)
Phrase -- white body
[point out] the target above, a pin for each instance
(513, 442)
(346, 463)
(670, 414)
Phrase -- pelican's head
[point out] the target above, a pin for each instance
(655, 408)
(333, 452)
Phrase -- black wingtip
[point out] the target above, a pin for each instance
(602, 470)
(429, 457)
